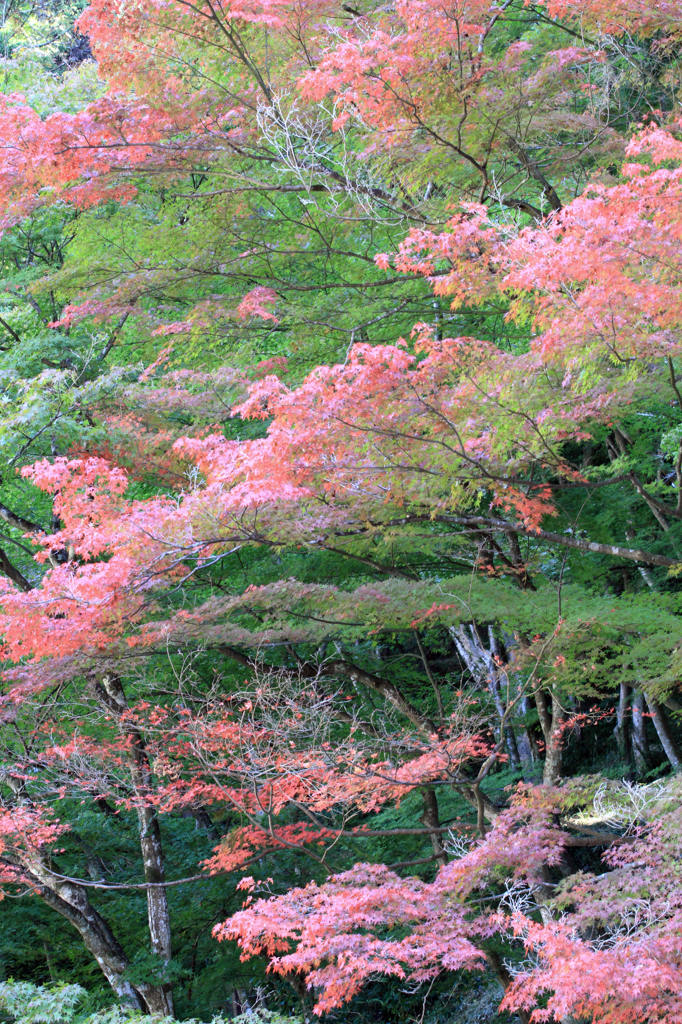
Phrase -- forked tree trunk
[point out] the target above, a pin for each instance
(71, 900)
(484, 663)
(72, 903)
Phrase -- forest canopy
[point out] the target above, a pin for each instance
(341, 511)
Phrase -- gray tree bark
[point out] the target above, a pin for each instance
(114, 699)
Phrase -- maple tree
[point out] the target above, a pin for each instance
(342, 492)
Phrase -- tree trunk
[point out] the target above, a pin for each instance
(550, 723)
(526, 742)
(501, 972)
(151, 848)
(484, 664)
(623, 729)
(640, 746)
(431, 819)
(662, 727)
(71, 902)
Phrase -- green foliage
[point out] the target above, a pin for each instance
(25, 1003)
(31, 1004)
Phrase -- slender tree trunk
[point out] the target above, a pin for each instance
(151, 848)
(525, 741)
(431, 819)
(551, 715)
(665, 735)
(505, 727)
(640, 746)
(50, 963)
(623, 729)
